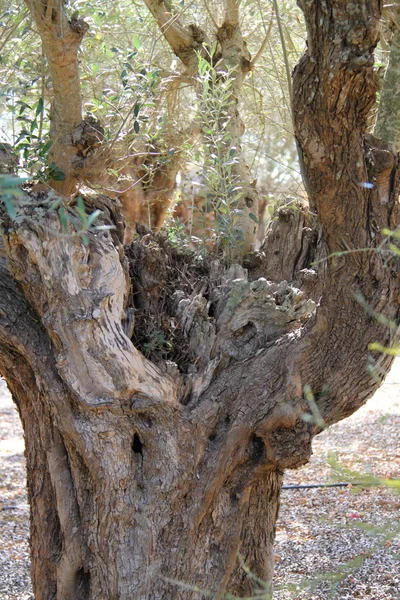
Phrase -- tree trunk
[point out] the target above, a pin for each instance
(150, 183)
(73, 137)
(154, 468)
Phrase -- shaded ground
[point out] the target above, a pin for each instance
(351, 533)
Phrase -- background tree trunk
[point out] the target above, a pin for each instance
(387, 125)
(61, 39)
(226, 66)
(147, 476)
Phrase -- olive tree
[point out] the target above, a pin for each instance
(154, 462)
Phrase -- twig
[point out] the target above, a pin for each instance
(310, 486)
(262, 47)
(284, 49)
(40, 130)
(211, 15)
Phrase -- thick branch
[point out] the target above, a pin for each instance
(79, 292)
(334, 90)
(61, 40)
(231, 16)
(354, 185)
(184, 41)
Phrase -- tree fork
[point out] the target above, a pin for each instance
(171, 470)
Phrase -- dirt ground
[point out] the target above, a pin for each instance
(331, 542)
(345, 542)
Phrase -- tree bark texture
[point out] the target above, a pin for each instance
(153, 465)
(61, 39)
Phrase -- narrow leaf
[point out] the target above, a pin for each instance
(91, 219)
(39, 106)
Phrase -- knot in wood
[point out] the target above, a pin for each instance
(87, 135)
(78, 26)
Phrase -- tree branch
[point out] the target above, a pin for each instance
(79, 293)
(262, 47)
(61, 39)
(354, 186)
(232, 12)
(334, 88)
(183, 40)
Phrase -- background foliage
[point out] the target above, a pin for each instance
(133, 83)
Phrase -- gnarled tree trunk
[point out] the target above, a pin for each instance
(148, 476)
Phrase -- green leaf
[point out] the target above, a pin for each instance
(46, 147)
(81, 210)
(136, 126)
(10, 208)
(393, 351)
(91, 219)
(63, 218)
(253, 217)
(55, 173)
(56, 204)
(136, 41)
(58, 176)
(39, 106)
(9, 183)
(394, 249)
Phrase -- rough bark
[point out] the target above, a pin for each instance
(146, 475)
(61, 39)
